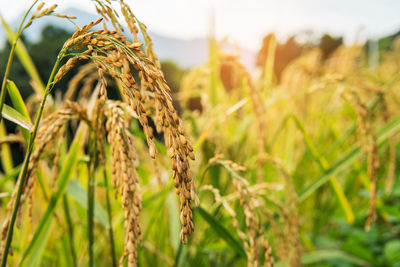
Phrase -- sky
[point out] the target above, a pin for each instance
(246, 21)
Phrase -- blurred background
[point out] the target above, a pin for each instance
(239, 72)
(180, 28)
(181, 31)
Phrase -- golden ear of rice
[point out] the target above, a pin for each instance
(112, 54)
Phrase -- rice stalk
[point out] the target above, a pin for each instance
(254, 236)
(111, 53)
(391, 175)
(368, 143)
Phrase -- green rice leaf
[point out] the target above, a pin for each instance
(384, 133)
(5, 151)
(34, 258)
(19, 105)
(320, 256)
(79, 194)
(14, 116)
(39, 238)
(174, 225)
(222, 232)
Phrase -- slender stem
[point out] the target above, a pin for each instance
(24, 168)
(70, 229)
(90, 219)
(10, 58)
(3, 85)
(110, 230)
(91, 193)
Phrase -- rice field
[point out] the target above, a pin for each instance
(236, 168)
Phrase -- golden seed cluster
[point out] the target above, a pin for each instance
(113, 55)
(124, 177)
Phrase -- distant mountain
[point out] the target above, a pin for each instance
(186, 53)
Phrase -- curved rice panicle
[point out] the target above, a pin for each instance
(111, 54)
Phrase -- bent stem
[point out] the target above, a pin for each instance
(24, 168)
(10, 58)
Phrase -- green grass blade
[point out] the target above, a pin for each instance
(63, 180)
(34, 258)
(384, 133)
(109, 217)
(11, 175)
(323, 164)
(174, 225)
(17, 100)
(24, 56)
(14, 116)
(80, 195)
(68, 256)
(221, 231)
(231, 171)
(5, 152)
(19, 105)
(181, 256)
(320, 256)
(68, 244)
(9, 139)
